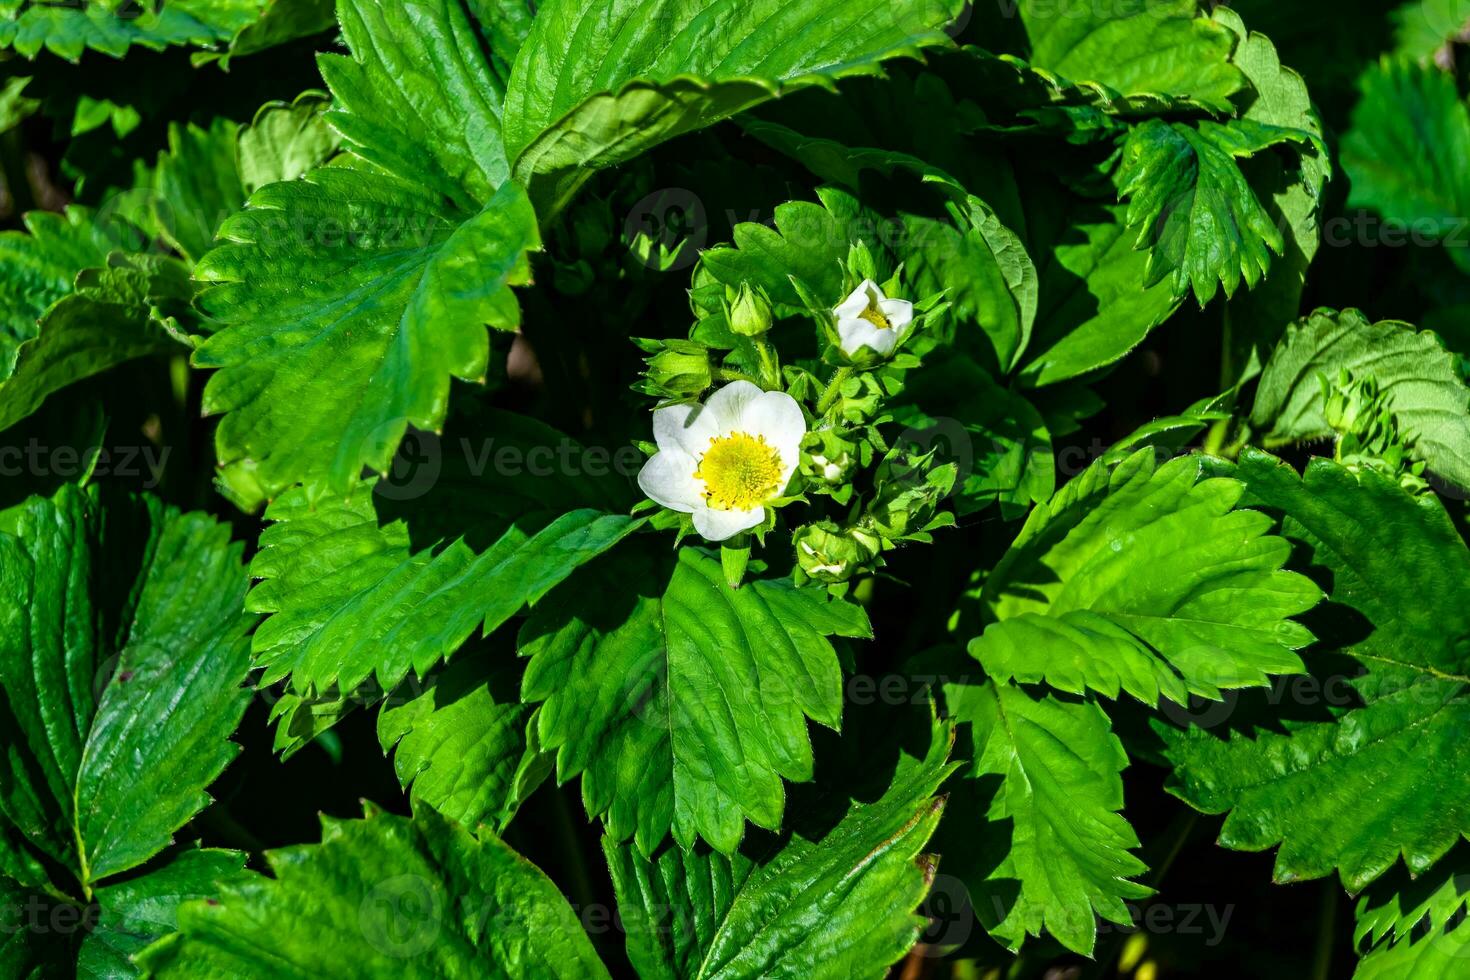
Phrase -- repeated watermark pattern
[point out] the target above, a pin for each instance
(403, 916)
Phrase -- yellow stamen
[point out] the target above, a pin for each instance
(739, 471)
(875, 316)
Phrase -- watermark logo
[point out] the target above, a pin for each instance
(401, 916)
(415, 468)
(667, 228)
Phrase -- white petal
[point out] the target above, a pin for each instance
(900, 312)
(856, 334)
(668, 479)
(717, 525)
(728, 406)
(777, 417)
(857, 300)
(686, 428)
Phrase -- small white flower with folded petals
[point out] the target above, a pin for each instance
(723, 461)
(869, 319)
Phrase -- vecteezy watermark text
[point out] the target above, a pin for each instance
(422, 458)
(37, 459)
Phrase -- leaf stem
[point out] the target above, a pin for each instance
(84, 870)
(1169, 844)
(580, 882)
(1177, 833)
(57, 893)
(1326, 932)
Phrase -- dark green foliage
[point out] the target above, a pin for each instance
(733, 488)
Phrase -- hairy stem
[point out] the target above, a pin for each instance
(833, 390)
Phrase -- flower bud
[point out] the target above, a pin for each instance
(828, 458)
(677, 368)
(831, 554)
(870, 324)
(1351, 404)
(749, 311)
(909, 491)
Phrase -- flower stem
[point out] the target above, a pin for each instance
(834, 388)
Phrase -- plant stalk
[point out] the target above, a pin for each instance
(833, 389)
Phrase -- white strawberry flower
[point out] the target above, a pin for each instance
(867, 318)
(725, 460)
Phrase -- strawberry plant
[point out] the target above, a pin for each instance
(695, 488)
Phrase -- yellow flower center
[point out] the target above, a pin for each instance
(875, 316)
(739, 471)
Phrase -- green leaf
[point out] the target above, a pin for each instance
(1428, 29)
(351, 600)
(920, 119)
(285, 140)
(494, 478)
(1092, 307)
(979, 263)
(279, 21)
(594, 86)
(197, 185)
(1405, 148)
(1135, 47)
(206, 173)
(832, 897)
(840, 162)
(1353, 792)
(77, 338)
(417, 98)
(15, 106)
(394, 898)
(494, 468)
(807, 244)
(138, 910)
(1021, 98)
(1172, 433)
(350, 297)
(67, 30)
(463, 746)
(505, 25)
(1036, 832)
(122, 656)
(1193, 208)
(982, 265)
(1008, 459)
(1291, 195)
(1414, 926)
(1146, 579)
(1420, 381)
(26, 952)
(1441, 954)
(682, 702)
(81, 335)
(49, 338)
